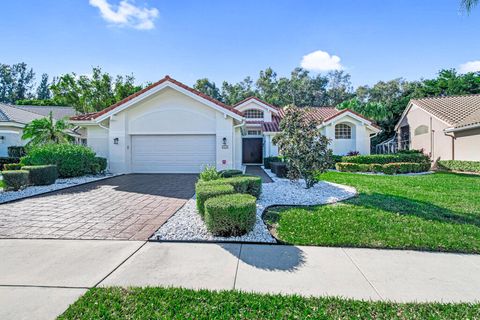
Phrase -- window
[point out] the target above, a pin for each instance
(254, 133)
(421, 130)
(343, 131)
(253, 114)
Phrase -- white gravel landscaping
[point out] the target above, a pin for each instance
(187, 225)
(59, 184)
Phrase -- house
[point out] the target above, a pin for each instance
(13, 119)
(446, 128)
(170, 127)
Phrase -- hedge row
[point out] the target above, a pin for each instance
(29, 175)
(458, 165)
(71, 160)
(388, 168)
(414, 157)
(268, 160)
(227, 205)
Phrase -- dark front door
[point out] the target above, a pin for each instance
(252, 150)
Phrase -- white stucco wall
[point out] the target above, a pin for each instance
(97, 139)
(360, 140)
(12, 137)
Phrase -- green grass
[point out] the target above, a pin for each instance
(439, 212)
(163, 303)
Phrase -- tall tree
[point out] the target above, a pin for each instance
(92, 93)
(209, 88)
(339, 87)
(16, 82)
(43, 89)
(468, 4)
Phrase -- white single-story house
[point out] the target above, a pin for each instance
(13, 119)
(445, 128)
(172, 128)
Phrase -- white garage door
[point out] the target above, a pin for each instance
(172, 153)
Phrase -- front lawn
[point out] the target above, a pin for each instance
(163, 303)
(439, 212)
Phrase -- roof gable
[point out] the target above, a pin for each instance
(153, 88)
(257, 101)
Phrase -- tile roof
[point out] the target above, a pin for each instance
(319, 114)
(95, 115)
(457, 111)
(59, 112)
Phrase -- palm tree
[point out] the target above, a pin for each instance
(469, 4)
(45, 130)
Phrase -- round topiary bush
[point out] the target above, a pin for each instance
(246, 184)
(207, 191)
(231, 214)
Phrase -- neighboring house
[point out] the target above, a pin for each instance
(14, 118)
(446, 128)
(170, 127)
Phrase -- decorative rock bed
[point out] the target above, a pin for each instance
(59, 184)
(187, 225)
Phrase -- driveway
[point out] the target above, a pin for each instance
(128, 207)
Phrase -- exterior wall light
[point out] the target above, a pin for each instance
(115, 140)
(224, 141)
(2, 139)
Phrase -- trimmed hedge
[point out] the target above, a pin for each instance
(41, 175)
(206, 191)
(230, 215)
(459, 165)
(230, 173)
(12, 166)
(246, 184)
(71, 160)
(268, 160)
(7, 160)
(388, 168)
(99, 165)
(16, 151)
(387, 158)
(15, 180)
(241, 184)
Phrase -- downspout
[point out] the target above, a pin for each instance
(453, 143)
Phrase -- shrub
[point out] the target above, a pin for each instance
(246, 184)
(209, 173)
(387, 158)
(230, 173)
(207, 191)
(458, 165)
(12, 166)
(99, 165)
(405, 167)
(268, 160)
(353, 153)
(280, 169)
(16, 151)
(6, 160)
(15, 180)
(230, 215)
(377, 168)
(71, 160)
(352, 167)
(41, 175)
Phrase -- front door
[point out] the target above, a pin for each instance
(252, 150)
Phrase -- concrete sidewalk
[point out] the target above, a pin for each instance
(403, 276)
(39, 279)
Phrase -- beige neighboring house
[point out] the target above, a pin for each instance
(446, 128)
(13, 119)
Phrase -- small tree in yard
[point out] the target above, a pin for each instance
(303, 145)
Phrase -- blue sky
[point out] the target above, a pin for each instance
(228, 40)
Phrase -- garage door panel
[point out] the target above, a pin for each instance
(172, 153)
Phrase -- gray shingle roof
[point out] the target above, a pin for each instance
(25, 114)
(457, 111)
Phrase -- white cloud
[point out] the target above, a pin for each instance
(321, 61)
(126, 14)
(470, 66)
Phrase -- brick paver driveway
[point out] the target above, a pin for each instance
(129, 207)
